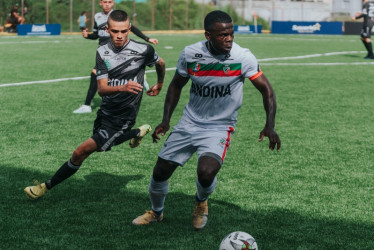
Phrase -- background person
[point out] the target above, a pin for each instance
(367, 14)
(15, 18)
(82, 20)
(99, 33)
(217, 68)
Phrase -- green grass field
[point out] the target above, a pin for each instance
(315, 193)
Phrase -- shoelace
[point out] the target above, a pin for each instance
(152, 214)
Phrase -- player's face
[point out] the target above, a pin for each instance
(107, 5)
(118, 32)
(221, 37)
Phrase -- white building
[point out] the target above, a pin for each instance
(290, 10)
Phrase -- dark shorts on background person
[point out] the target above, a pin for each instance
(366, 31)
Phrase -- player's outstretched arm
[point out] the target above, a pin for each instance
(140, 34)
(160, 70)
(270, 105)
(94, 35)
(171, 101)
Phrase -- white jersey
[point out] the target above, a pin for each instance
(217, 83)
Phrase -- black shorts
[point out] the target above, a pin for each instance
(106, 136)
(366, 31)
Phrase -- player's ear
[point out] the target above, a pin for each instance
(107, 28)
(130, 26)
(207, 35)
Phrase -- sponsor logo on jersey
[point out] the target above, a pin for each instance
(198, 56)
(107, 64)
(226, 69)
(118, 82)
(196, 68)
(120, 58)
(212, 92)
(216, 69)
(222, 142)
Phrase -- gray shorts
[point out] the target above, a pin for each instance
(184, 141)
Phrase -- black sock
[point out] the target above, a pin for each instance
(64, 172)
(370, 49)
(91, 90)
(366, 46)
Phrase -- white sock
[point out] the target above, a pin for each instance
(157, 192)
(204, 192)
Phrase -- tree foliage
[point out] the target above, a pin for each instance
(59, 12)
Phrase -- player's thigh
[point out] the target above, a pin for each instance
(163, 169)
(105, 137)
(177, 148)
(213, 143)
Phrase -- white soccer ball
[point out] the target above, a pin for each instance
(238, 241)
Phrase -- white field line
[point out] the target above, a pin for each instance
(260, 60)
(63, 79)
(25, 42)
(310, 56)
(316, 64)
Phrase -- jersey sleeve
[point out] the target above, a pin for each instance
(101, 69)
(251, 68)
(182, 65)
(140, 34)
(95, 33)
(151, 57)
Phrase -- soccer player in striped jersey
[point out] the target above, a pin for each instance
(217, 68)
(100, 33)
(120, 67)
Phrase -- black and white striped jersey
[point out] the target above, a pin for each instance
(121, 66)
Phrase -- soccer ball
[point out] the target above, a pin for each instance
(238, 241)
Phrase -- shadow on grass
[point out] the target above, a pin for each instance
(97, 212)
(361, 56)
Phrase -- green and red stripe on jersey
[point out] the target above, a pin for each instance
(217, 69)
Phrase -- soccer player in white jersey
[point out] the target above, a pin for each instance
(217, 68)
(120, 67)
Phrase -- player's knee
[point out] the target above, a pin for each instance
(206, 178)
(78, 156)
(163, 170)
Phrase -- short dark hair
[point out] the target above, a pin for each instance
(216, 16)
(118, 16)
